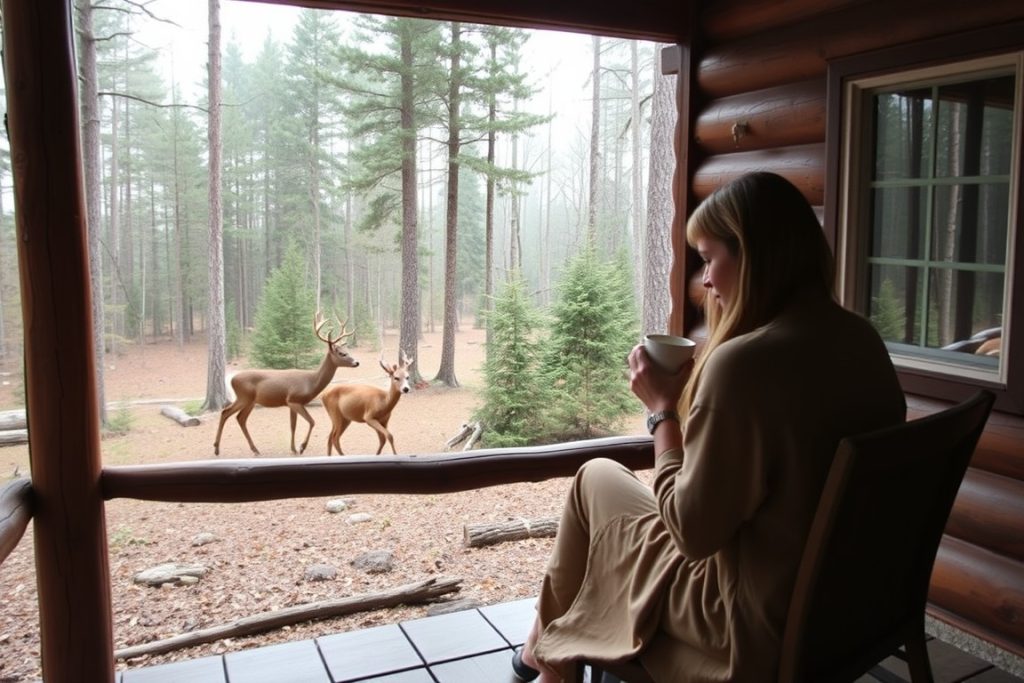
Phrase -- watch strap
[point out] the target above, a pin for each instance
(657, 417)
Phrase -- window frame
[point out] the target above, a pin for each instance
(847, 79)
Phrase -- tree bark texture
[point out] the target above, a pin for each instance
(409, 327)
(446, 372)
(216, 387)
(595, 142)
(657, 249)
(490, 533)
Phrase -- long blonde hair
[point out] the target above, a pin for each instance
(780, 249)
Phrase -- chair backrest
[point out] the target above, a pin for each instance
(863, 579)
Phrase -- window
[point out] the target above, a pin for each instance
(928, 204)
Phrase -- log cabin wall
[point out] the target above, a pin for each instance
(760, 104)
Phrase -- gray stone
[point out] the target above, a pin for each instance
(375, 562)
(359, 518)
(204, 538)
(337, 505)
(320, 572)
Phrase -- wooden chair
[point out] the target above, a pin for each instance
(862, 584)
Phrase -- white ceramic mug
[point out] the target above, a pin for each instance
(669, 352)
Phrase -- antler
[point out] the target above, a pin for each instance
(319, 321)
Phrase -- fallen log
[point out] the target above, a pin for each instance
(478, 429)
(409, 594)
(489, 533)
(179, 416)
(13, 419)
(13, 436)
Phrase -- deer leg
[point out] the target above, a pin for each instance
(228, 411)
(337, 432)
(242, 417)
(382, 434)
(301, 410)
(292, 416)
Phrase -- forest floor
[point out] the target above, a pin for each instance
(262, 551)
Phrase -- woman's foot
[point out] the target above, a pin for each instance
(522, 670)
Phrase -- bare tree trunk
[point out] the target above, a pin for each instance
(409, 327)
(492, 115)
(515, 252)
(636, 205)
(216, 388)
(658, 243)
(595, 142)
(446, 373)
(90, 104)
(115, 230)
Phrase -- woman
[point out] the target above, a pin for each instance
(695, 577)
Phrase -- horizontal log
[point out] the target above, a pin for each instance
(801, 51)
(998, 450)
(180, 416)
(13, 437)
(257, 479)
(13, 419)
(728, 19)
(427, 590)
(802, 165)
(989, 512)
(784, 116)
(660, 20)
(490, 533)
(984, 589)
(15, 513)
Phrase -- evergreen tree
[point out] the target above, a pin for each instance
(515, 397)
(887, 313)
(282, 338)
(585, 357)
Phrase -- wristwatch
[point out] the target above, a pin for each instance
(656, 418)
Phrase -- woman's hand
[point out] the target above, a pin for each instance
(655, 388)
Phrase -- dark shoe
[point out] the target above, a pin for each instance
(523, 672)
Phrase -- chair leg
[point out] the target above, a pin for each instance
(917, 659)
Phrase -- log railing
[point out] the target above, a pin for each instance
(260, 479)
(15, 514)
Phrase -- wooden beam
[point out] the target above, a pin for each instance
(70, 537)
(257, 479)
(660, 20)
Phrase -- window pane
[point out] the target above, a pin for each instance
(975, 121)
(970, 223)
(899, 216)
(964, 306)
(903, 142)
(894, 292)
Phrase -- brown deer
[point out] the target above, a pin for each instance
(292, 388)
(350, 403)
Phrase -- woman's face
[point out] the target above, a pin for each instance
(721, 269)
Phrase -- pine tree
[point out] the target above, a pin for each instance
(283, 338)
(887, 313)
(585, 357)
(515, 397)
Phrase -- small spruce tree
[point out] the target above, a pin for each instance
(284, 337)
(585, 361)
(887, 313)
(514, 394)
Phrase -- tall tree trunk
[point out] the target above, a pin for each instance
(658, 243)
(90, 104)
(515, 252)
(116, 319)
(595, 143)
(545, 256)
(446, 373)
(409, 327)
(216, 388)
(636, 205)
(492, 115)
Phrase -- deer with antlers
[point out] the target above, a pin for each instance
(350, 403)
(292, 388)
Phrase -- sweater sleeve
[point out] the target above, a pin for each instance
(707, 490)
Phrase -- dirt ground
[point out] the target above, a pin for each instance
(262, 550)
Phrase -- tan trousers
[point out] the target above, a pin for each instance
(602, 491)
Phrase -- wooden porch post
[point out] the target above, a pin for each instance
(70, 535)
